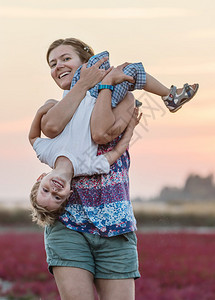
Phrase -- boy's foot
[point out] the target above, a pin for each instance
(138, 103)
(178, 97)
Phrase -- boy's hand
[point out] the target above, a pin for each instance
(47, 106)
(35, 130)
(135, 119)
(123, 144)
(116, 76)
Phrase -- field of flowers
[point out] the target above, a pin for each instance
(174, 266)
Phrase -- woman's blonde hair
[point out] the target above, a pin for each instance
(83, 50)
(39, 214)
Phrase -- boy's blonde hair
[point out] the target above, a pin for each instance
(83, 50)
(39, 214)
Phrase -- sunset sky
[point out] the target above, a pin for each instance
(175, 41)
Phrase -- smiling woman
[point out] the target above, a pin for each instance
(70, 53)
(99, 207)
(64, 60)
(63, 66)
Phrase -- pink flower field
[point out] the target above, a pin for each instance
(174, 266)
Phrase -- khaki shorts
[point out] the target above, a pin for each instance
(105, 257)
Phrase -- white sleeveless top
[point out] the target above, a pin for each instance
(75, 143)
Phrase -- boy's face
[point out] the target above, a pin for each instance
(53, 191)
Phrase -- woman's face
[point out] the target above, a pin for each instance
(64, 61)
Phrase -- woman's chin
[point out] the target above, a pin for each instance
(65, 87)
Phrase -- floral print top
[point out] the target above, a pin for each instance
(100, 204)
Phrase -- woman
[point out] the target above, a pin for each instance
(94, 241)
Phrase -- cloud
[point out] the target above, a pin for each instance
(95, 13)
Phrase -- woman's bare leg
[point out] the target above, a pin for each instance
(74, 283)
(109, 289)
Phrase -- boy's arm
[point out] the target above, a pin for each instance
(35, 130)
(122, 145)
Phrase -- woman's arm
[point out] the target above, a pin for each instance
(122, 115)
(58, 117)
(123, 144)
(35, 130)
(108, 123)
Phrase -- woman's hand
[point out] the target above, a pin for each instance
(116, 76)
(93, 75)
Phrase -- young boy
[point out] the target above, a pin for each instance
(69, 157)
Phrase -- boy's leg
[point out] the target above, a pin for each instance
(155, 87)
(120, 289)
(74, 283)
(173, 98)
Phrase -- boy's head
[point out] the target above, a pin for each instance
(48, 197)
